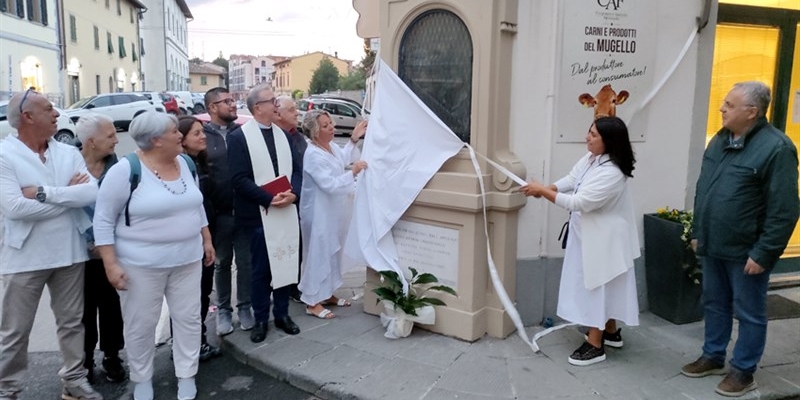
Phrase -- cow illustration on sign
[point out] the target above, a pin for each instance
(605, 102)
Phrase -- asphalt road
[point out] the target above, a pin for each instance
(221, 378)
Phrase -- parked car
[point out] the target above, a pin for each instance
(199, 101)
(345, 115)
(121, 107)
(165, 99)
(340, 98)
(65, 131)
(185, 101)
(241, 119)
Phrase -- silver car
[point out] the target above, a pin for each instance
(345, 115)
(65, 131)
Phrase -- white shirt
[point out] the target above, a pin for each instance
(165, 225)
(38, 236)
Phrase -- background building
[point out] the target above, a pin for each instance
(247, 71)
(29, 51)
(164, 48)
(205, 76)
(294, 73)
(101, 47)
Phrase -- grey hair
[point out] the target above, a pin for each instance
(13, 112)
(282, 99)
(89, 125)
(150, 125)
(311, 124)
(252, 96)
(756, 94)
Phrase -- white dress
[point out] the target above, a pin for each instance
(326, 205)
(615, 299)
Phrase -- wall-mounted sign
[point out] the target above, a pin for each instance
(607, 58)
(428, 248)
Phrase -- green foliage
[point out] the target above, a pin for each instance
(325, 77)
(369, 58)
(393, 291)
(297, 94)
(691, 265)
(353, 81)
(222, 62)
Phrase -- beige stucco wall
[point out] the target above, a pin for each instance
(296, 73)
(674, 121)
(93, 61)
(212, 81)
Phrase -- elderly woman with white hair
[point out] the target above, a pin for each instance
(98, 138)
(152, 240)
(325, 210)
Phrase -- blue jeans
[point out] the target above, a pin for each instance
(262, 280)
(727, 291)
(230, 240)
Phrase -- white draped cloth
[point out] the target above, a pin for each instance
(405, 145)
(326, 205)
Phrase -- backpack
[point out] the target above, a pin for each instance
(136, 176)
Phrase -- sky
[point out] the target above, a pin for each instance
(271, 27)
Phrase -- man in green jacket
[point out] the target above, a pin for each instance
(746, 207)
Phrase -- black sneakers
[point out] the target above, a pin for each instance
(611, 339)
(115, 372)
(208, 351)
(587, 355)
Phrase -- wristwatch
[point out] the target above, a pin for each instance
(40, 194)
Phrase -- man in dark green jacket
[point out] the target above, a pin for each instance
(746, 207)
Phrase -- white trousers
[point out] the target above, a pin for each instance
(141, 307)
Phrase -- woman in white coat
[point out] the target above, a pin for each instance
(326, 203)
(598, 285)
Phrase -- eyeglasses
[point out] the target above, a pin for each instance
(273, 100)
(25, 97)
(228, 102)
(728, 106)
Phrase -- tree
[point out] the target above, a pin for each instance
(369, 58)
(354, 80)
(325, 77)
(196, 60)
(222, 62)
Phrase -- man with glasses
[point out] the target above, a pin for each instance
(228, 240)
(258, 152)
(746, 207)
(44, 186)
(286, 119)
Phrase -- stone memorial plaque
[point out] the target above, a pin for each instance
(428, 248)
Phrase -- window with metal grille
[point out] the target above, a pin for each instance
(436, 63)
(73, 29)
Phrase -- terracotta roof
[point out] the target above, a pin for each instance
(206, 68)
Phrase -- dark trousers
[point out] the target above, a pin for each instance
(206, 285)
(100, 298)
(261, 280)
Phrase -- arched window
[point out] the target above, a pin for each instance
(436, 63)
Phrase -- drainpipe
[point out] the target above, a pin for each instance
(62, 50)
(702, 20)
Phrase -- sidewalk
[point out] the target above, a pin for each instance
(348, 358)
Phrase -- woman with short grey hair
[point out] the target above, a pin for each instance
(98, 138)
(325, 210)
(152, 240)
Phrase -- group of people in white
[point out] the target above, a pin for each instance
(112, 238)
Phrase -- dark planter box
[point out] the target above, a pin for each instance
(671, 293)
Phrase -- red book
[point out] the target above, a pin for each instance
(277, 185)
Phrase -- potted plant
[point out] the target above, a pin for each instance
(673, 271)
(403, 309)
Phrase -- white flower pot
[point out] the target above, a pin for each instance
(399, 324)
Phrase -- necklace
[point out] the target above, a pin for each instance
(169, 189)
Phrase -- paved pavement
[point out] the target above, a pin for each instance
(349, 358)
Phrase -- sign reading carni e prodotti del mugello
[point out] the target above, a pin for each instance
(606, 68)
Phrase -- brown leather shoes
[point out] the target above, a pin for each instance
(702, 367)
(736, 383)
